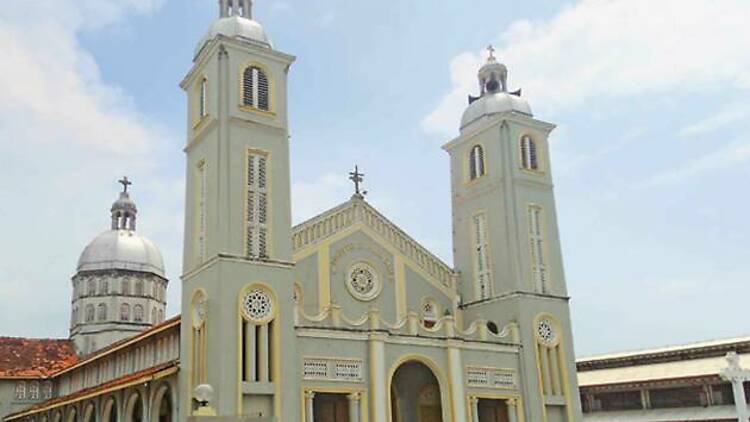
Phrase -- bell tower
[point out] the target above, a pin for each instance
(237, 324)
(505, 238)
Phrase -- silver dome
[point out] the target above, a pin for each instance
(235, 27)
(122, 250)
(491, 104)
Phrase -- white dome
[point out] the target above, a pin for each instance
(490, 104)
(122, 250)
(235, 27)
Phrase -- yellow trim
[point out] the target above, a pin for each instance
(195, 106)
(364, 411)
(562, 366)
(540, 162)
(443, 381)
(487, 395)
(401, 294)
(193, 379)
(324, 276)
(271, 89)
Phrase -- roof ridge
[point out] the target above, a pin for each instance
(666, 348)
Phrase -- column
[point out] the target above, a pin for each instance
(456, 372)
(309, 410)
(263, 361)
(512, 405)
(474, 409)
(378, 389)
(354, 407)
(737, 376)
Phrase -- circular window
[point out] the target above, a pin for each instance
(363, 282)
(545, 332)
(258, 306)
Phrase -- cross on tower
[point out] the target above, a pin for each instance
(357, 178)
(491, 50)
(125, 183)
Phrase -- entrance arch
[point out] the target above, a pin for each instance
(134, 408)
(162, 410)
(109, 412)
(417, 392)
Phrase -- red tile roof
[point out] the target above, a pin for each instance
(34, 358)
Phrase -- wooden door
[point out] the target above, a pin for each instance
(331, 408)
(492, 411)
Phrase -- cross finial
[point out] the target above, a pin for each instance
(125, 183)
(491, 50)
(356, 177)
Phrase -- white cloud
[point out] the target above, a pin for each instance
(312, 198)
(731, 114)
(724, 157)
(616, 48)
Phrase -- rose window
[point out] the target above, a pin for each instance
(258, 305)
(362, 282)
(545, 332)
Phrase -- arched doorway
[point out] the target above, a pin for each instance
(134, 408)
(109, 412)
(415, 394)
(72, 415)
(163, 409)
(88, 413)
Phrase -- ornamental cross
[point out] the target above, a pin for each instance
(125, 183)
(357, 178)
(491, 50)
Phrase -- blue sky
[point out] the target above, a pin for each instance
(650, 158)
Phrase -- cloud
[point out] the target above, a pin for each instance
(612, 49)
(731, 114)
(732, 155)
(317, 196)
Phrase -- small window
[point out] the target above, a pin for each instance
(126, 287)
(48, 389)
(529, 155)
(476, 162)
(89, 313)
(125, 312)
(104, 287)
(255, 88)
(429, 313)
(138, 313)
(91, 288)
(139, 288)
(203, 99)
(34, 390)
(21, 390)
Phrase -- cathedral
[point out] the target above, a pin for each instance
(342, 318)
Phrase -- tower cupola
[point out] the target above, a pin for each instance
(236, 21)
(493, 96)
(124, 210)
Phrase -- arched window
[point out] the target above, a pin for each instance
(153, 316)
(89, 313)
(202, 99)
(138, 313)
(125, 312)
(101, 312)
(125, 287)
(476, 162)
(529, 156)
(255, 88)
(104, 287)
(139, 288)
(429, 313)
(91, 288)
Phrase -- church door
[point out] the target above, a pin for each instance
(493, 411)
(331, 407)
(415, 394)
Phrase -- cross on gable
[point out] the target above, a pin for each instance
(125, 183)
(356, 177)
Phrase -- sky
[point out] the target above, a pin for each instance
(651, 156)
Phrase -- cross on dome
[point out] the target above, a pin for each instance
(125, 182)
(491, 51)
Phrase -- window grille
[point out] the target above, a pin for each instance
(482, 268)
(529, 157)
(255, 88)
(537, 246)
(476, 162)
(257, 206)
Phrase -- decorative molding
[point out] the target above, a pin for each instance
(481, 377)
(332, 369)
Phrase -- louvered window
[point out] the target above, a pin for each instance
(481, 267)
(255, 88)
(476, 162)
(203, 99)
(202, 211)
(537, 246)
(257, 206)
(529, 156)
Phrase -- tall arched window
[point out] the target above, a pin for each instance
(91, 288)
(529, 156)
(476, 162)
(89, 313)
(126, 287)
(125, 312)
(138, 313)
(255, 88)
(139, 288)
(203, 99)
(101, 312)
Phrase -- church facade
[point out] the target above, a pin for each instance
(344, 317)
